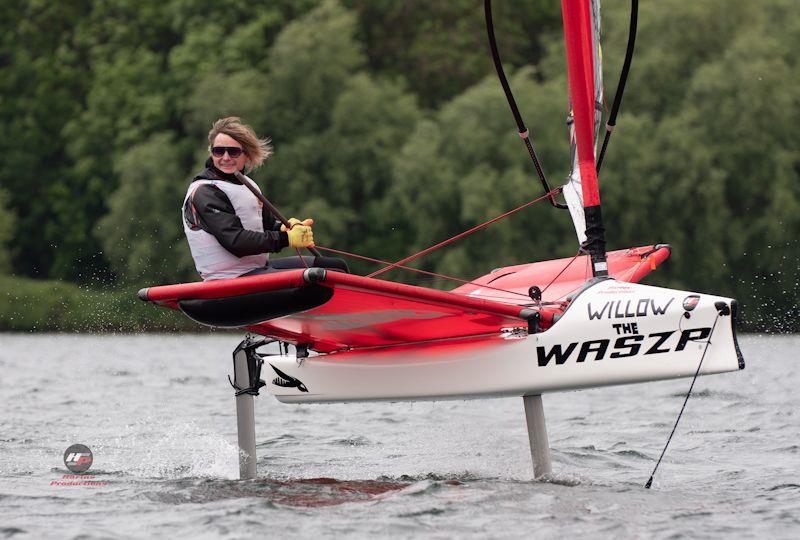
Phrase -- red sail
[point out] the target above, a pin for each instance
(580, 68)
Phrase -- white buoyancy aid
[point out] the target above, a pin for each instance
(211, 259)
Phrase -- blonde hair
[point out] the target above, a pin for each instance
(256, 150)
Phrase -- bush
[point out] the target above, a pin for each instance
(28, 305)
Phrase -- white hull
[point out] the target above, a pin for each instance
(613, 333)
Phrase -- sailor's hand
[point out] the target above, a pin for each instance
(301, 236)
(294, 221)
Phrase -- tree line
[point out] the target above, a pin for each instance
(391, 130)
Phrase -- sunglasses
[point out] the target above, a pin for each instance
(233, 151)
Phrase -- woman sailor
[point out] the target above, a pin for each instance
(229, 233)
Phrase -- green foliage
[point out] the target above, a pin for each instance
(718, 179)
(338, 167)
(441, 48)
(213, 97)
(310, 63)
(391, 130)
(342, 175)
(369, 121)
(7, 222)
(142, 233)
(467, 165)
(675, 37)
(54, 306)
(41, 83)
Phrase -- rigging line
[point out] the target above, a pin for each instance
(302, 259)
(442, 276)
(562, 271)
(463, 234)
(523, 131)
(623, 78)
(251, 185)
(689, 393)
(564, 299)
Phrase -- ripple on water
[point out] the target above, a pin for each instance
(191, 379)
(352, 441)
(788, 487)
(8, 532)
(633, 453)
(286, 439)
(435, 511)
(708, 393)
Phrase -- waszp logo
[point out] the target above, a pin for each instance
(287, 381)
(623, 347)
(690, 302)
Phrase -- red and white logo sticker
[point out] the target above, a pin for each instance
(690, 302)
(78, 458)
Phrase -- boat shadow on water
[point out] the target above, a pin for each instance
(302, 492)
(322, 491)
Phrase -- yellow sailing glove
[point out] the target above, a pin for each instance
(300, 236)
(294, 221)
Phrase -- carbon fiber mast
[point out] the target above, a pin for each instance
(581, 34)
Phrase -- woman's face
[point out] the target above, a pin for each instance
(223, 160)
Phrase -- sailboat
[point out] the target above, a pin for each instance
(522, 330)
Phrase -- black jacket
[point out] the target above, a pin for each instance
(210, 209)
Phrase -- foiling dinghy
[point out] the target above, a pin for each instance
(522, 330)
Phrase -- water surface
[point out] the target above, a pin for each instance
(159, 415)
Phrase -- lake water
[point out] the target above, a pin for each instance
(159, 416)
